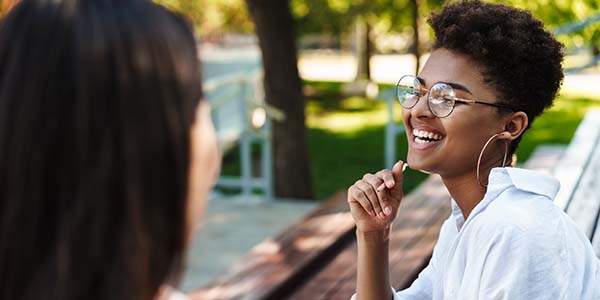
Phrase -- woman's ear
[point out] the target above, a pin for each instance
(515, 125)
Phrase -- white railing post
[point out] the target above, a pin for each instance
(390, 135)
(245, 142)
(391, 130)
(233, 99)
(267, 161)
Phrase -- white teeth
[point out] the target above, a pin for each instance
(420, 141)
(425, 134)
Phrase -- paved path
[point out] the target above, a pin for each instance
(230, 228)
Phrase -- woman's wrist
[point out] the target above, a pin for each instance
(377, 235)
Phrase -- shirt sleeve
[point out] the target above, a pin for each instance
(522, 266)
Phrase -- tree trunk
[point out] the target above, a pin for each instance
(364, 50)
(416, 49)
(283, 89)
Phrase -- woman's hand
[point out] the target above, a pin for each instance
(373, 209)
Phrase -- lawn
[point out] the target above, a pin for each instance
(346, 136)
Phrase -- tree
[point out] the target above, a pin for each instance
(283, 89)
(416, 46)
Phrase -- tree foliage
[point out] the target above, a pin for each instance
(557, 13)
(336, 17)
(214, 17)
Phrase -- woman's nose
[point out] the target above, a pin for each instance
(421, 109)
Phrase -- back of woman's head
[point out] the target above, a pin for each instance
(97, 99)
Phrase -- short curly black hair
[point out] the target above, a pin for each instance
(520, 59)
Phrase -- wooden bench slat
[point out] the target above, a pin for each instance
(275, 265)
(414, 234)
(405, 262)
(341, 267)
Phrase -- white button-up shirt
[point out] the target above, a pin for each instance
(515, 244)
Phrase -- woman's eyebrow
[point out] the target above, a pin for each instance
(456, 86)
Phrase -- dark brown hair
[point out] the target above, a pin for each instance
(97, 100)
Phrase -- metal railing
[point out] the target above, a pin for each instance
(241, 117)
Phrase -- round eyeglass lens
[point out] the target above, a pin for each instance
(407, 91)
(441, 99)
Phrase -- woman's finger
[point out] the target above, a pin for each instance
(387, 177)
(373, 180)
(369, 191)
(359, 196)
(377, 182)
(396, 191)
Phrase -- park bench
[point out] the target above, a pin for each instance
(315, 258)
(577, 167)
(241, 117)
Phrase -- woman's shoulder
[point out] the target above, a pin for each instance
(524, 199)
(525, 213)
(524, 183)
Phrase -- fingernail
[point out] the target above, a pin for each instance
(372, 213)
(404, 167)
(387, 210)
(381, 215)
(390, 183)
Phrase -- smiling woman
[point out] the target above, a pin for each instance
(492, 71)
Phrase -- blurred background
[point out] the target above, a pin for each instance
(303, 102)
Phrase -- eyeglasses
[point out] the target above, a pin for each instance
(441, 97)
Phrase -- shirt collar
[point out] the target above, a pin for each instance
(501, 179)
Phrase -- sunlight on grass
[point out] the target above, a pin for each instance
(353, 114)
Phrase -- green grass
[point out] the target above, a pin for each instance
(346, 137)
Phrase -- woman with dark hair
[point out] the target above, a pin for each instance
(107, 150)
(492, 71)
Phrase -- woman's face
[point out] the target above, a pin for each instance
(205, 165)
(464, 132)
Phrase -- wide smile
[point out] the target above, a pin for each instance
(424, 138)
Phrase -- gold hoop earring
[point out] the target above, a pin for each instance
(481, 155)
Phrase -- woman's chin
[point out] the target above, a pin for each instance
(420, 164)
